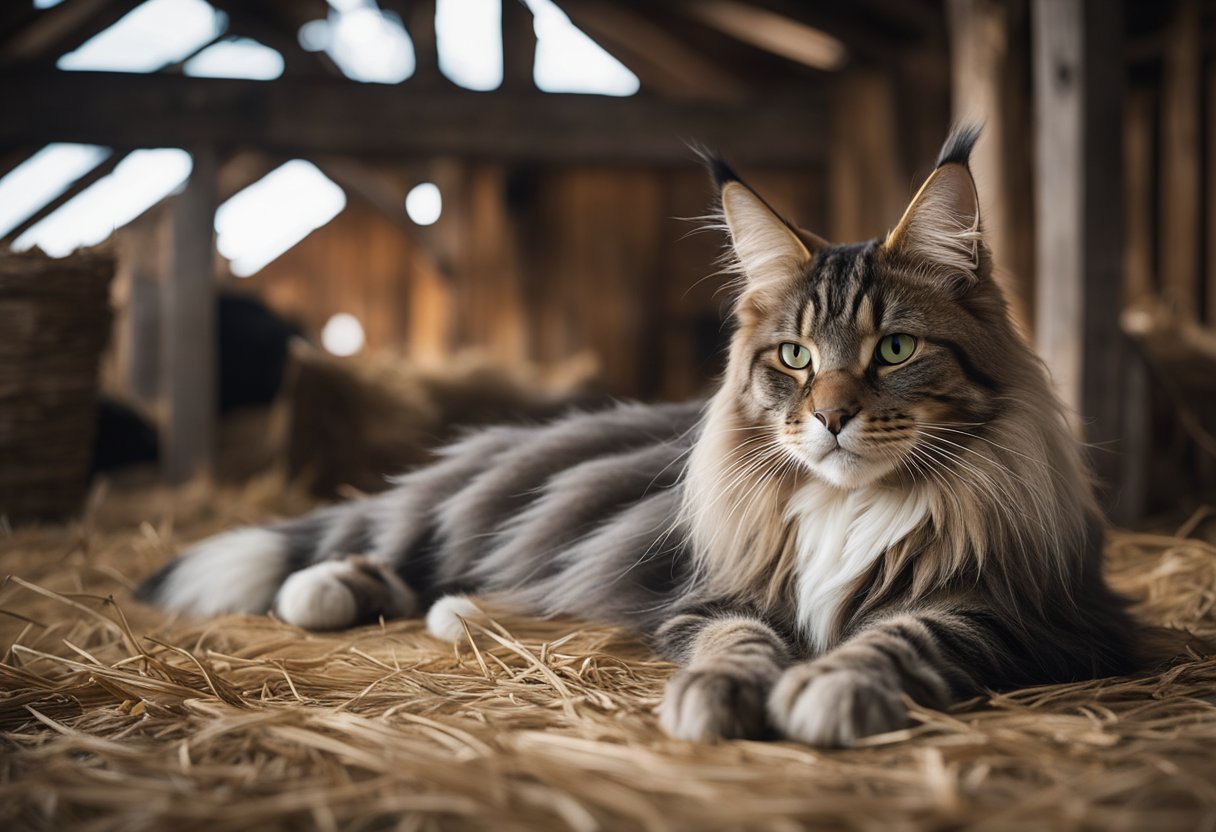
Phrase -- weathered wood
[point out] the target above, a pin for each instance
(1181, 183)
(518, 47)
(338, 116)
(1210, 197)
(188, 326)
(1138, 150)
(773, 32)
(61, 29)
(988, 61)
(867, 188)
(1078, 82)
(74, 188)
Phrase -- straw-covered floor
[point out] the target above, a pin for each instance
(116, 717)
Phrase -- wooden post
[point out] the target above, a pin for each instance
(518, 46)
(189, 327)
(988, 85)
(1078, 84)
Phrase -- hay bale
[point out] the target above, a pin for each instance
(55, 316)
(356, 421)
(114, 716)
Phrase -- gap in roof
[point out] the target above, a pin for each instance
(139, 181)
(46, 4)
(236, 58)
(275, 213)
(468, 38)
(150, 37)
(567, 60)
(367, 44)
(43, 177)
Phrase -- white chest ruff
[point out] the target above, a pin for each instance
(841, 534)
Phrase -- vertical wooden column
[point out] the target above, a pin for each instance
(518, 46)
(1078, 85)
(188, 326)
(989, 84)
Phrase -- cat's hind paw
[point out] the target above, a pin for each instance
(444, 618)
(335, 594)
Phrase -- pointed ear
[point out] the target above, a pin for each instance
(769, 251)
(939, 235)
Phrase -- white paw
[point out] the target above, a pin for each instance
(704, 705)
(443, 619)
(834, 708)
(316, 598)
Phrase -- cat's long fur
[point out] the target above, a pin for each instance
(939, 538)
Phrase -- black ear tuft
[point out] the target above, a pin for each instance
(959, 143)
(719, 169)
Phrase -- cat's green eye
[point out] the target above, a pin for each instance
(895, 349)
(795, 356)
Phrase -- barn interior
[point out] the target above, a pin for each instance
(260, 254)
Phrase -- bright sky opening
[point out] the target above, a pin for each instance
(468, 37)
(236, 58)
(150, 37)
(42, 177)
(139, 181)
(269, 217)
(567, 60)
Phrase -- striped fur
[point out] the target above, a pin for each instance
(936, 538)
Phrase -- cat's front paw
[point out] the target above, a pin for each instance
(709, 704)
(834, 707)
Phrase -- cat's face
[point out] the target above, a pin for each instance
(867, 361)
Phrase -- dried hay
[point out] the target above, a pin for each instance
(115, 717)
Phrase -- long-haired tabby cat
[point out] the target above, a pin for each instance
(883, 499)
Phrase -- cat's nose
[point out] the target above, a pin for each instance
(835, 418)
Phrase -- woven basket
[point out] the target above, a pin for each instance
(54, 323)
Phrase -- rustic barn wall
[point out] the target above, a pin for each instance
(540, 263)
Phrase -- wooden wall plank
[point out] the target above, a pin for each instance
(1181, 183)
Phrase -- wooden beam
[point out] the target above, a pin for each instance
(105, 168)
(988, 61)
(518, 47)
(1078, 84)
(189, 326)
(773, 32)
(61, 29)
(323, 116)
(661, 59)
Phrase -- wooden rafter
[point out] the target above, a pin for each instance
(339, 116)
(59, 30)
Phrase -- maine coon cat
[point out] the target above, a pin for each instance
(883, 499)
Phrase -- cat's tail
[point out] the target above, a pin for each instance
(311, 571)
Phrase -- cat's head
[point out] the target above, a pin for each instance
(869, 361)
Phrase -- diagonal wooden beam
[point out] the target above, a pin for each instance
(61, 29)
(105, 168)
